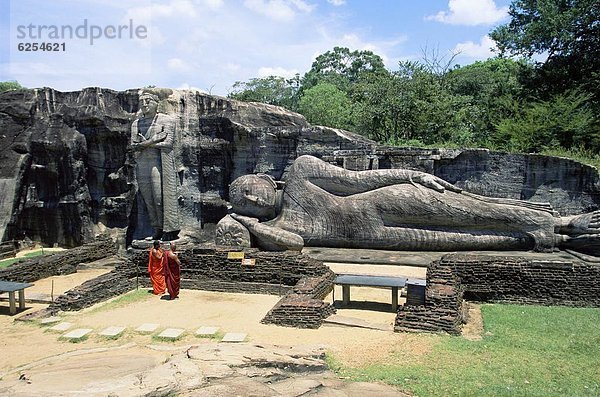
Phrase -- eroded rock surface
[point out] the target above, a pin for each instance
(203, 370)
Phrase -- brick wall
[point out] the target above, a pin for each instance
(33, 269)
(302, 282)
(507, 279)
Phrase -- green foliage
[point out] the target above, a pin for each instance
(9, 85)
(273, 90)
(526, 351)
(503, 104)
(566, 121)
(342, 68)
(325, 104)
(567, 31)
(561, 28)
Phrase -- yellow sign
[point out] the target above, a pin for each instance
(235, 255)
(248, 262)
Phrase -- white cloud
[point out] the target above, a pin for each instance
(174, 8)
(276, 71)
(470, 12)
(481, 50)
(178, 65)
(337, 3)
(213, 4)
(279, 10)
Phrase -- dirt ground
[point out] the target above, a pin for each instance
(25, 342)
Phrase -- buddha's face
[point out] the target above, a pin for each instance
(148, 105)
(254, 196)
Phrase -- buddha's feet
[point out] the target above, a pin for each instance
(584, 224)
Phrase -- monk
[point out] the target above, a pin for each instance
(171, 266)
(155, 268)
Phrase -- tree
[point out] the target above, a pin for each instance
(566, 121)
(342, 68)
(274, 90)
(567, 30)
(494, 90)
(325, 104)
(10, 85)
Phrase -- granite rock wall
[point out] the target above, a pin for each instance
(67, 170)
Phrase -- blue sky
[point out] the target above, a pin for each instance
(210, 44)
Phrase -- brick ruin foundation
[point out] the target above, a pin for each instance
(303, 282)
(58, 263)
(490, 278)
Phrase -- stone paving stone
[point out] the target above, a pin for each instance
(147, 328)
(171, 333)
(207, 331)
(234, 337)
(78, 333)
(61, 327)
(112, 331)
(50, 320)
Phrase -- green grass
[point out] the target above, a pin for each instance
(7, 262)
(216, 336)
(124, 300)
(526, 351)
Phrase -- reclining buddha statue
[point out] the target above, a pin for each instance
(320, 204)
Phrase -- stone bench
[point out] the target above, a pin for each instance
(358, 280)
(11, 288)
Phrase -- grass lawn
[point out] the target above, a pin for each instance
(526, 351)
(7, 262)
(124, 300)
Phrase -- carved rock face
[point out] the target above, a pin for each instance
(254, 196)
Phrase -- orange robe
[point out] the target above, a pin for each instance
(155, 268)
(172, 274)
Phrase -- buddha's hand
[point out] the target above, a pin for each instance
(245, 220)
(137, 146)
(160, 137)
(435, 183)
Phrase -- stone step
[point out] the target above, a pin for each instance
(207, 331)
(171, 333)
(234, 337)
(77, 334)
(50, 320)
(61, 327)
(147, 328)
(112, 332)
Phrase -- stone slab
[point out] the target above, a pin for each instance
(234, 337)
(61, 327)
(344, 321)
(50, 320)
(412, 258)
(112, 331)
(171, 333)
(78, 333)
(147, 328)
(207, 331)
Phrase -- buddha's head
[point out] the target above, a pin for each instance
(254, 196)
(148, 104)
